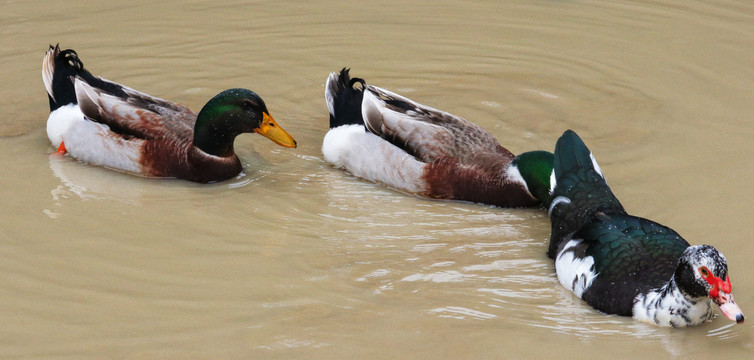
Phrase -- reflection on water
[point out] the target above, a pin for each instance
(90, 182)
(295, 259)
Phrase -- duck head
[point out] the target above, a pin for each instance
(535, 167)
(703, 272)
(233, 112)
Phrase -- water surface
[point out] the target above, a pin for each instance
(295, 259)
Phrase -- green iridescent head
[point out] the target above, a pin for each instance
(233, 112)
(535, 168)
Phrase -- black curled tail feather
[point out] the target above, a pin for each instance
(60, 68)
(344, 99)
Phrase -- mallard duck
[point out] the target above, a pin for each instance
(104, 123)
(381, 136)
(623, 264)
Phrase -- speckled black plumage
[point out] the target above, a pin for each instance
(631, 254)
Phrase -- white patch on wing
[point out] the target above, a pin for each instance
(596, 166)
(368, 156)
(574, 273)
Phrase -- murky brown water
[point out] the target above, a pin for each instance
(295, 259)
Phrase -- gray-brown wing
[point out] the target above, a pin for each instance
(134, 113)
(426, 133)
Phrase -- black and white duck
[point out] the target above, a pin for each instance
(623, 264)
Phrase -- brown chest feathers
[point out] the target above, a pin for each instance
(482, 180)
(166, 158)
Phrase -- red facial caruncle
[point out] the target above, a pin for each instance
(717, 283)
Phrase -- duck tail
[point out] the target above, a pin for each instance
(344, 99)
(59, 68)
(571, 154)
(579, 190)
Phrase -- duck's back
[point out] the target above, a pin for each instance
(631, 255)
(425, 132)
(133, 113)
(580, 191)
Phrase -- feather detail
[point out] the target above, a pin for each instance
(137, 115)
(48, 70)
(427, 133)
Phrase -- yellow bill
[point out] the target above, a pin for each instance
(270, 129)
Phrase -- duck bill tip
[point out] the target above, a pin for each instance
(729, 308)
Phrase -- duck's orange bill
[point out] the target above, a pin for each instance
(270, 129)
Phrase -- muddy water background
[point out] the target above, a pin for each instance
(295, 259)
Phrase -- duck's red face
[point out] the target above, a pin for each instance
(721, 295)
(717, 283)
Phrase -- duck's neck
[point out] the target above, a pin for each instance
(534, 168)
(214, 134)
(669, 306)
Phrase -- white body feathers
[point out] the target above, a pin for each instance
(574, 273)
(370, 157)
(92, 142)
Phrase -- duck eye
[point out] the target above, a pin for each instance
(704, 271)
(248, 105)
